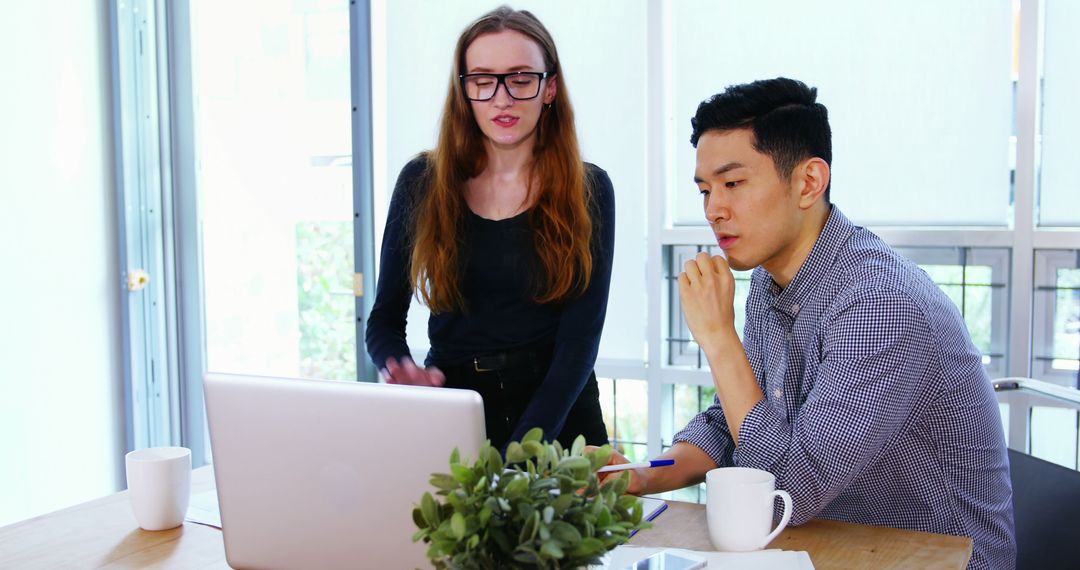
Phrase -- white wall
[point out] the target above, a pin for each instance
(60, 367)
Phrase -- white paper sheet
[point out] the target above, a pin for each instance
(203, 509)
(623, 556)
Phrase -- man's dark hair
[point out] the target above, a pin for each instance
(788, 125)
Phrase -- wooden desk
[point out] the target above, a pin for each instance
(831, 544)
(103, 534)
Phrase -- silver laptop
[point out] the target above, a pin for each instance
(321, 474)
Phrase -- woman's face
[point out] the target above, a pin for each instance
(505, 121)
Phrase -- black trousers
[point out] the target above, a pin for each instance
(507, 381)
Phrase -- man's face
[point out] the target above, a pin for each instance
(753, 211)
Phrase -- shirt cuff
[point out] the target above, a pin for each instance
(763, 437)
(704, 432)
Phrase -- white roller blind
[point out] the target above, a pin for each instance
(1059, 203)
(601, 45)
(918, 92)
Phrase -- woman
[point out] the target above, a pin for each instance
(507, 236)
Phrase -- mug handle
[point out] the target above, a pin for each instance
(783, 520)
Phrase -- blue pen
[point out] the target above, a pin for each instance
(642, 465)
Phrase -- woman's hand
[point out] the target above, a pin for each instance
(407, 372)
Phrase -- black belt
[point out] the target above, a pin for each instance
(501, 361)
(498, 360)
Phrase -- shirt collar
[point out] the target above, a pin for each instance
(791, 299)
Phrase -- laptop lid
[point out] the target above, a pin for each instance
(324, 474)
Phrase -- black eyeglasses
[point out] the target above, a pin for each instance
(520, 85)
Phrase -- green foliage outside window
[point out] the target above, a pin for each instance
(324, 268)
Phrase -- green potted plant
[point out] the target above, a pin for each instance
(542, 508)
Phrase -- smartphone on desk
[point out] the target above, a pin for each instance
(667, 560)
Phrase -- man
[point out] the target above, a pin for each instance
(856, 383)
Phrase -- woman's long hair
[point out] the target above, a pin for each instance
(560, 196)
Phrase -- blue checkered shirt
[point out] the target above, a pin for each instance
(877, 409)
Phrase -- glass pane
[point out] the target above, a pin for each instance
(1054, 435)
(416, 38)
(625, 405)
(932, 85)
(272, 113)
(1067, 321)
(1056, 330)
(686, 401)
(1059, 190)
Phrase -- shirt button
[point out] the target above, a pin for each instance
(795, 309)
(777, 393)
(789, 335)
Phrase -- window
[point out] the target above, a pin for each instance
(1059, 191)
(920, 75)
(1056, 355)
(277, 243)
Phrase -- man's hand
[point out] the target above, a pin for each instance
(707, 294)
(409, 373)
(638, 477)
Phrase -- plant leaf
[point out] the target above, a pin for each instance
(551, 550)
(565, 533)
(526, 555)
(462, 474)
(588, 547)
(515, 453)
(443, 481)
(533, 448)
(517, 488)
(430, 510)
(484, 517)
(563, 502)
(528, 530)
(603, 520)
(457, 524)
(600, 457)
(573, 464)
(535, 434)
(494, 459)
(579, 445)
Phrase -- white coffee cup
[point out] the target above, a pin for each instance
(739, 508)
(159, 482)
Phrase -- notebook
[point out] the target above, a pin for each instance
(321, 474)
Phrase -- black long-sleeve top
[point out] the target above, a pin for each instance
(498, 284)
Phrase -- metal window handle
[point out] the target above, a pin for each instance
(137, 279)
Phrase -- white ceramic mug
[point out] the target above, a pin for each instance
(159, 482)
(739, 508)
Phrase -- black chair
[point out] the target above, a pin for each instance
(1046, 503)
